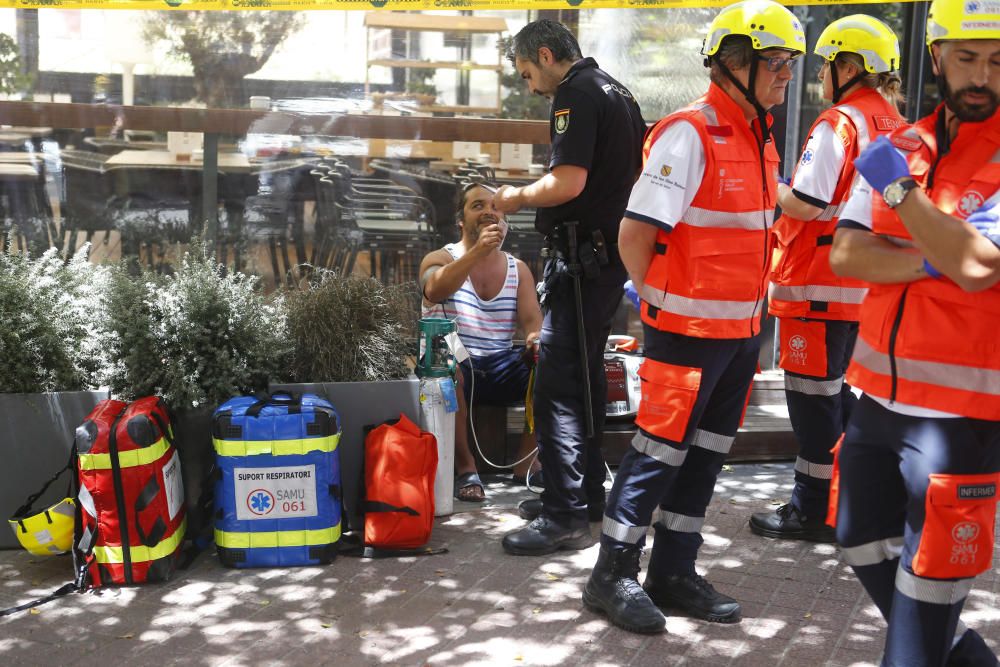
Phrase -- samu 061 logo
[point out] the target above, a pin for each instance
(965, 532)
(260, 502)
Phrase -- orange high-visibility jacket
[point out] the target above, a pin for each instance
(708, 276)
(929, 343)
(802, 283)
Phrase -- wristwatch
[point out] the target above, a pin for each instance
(895, 192)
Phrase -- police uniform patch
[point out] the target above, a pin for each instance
(562, 120)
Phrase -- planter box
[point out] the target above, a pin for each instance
(361, 404)
(37, 436)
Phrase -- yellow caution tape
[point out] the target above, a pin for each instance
(387, 5)
(275, 447)
(142, 554)
(127, 459)
(281, 538)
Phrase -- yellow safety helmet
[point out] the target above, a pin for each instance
(963, 19)
(864, 35)
(47, 533)
(766, 23)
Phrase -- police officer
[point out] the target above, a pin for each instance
(696, 240)
(818, 310)
(596, 129)
(920, 461)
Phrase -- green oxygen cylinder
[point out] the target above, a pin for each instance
(435, 359)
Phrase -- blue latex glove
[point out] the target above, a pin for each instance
(786, 181)
(631, 294)
(931, 271)
(985, 219)
(881, 164)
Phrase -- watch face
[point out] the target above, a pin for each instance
(893, 195)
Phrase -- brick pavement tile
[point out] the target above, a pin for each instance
(850, 657)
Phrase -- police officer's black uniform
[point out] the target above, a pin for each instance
(595, 124)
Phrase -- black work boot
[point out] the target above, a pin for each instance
(788, 523)
(529, 509)
(544, 536)
(613, 589)
(693, 594)
(971, 651)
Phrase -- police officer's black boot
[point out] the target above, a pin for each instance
(614, 590)
(693, 594)
(971, 651)
(789, 523)
(544, 536)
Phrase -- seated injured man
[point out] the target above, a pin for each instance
(491, 295)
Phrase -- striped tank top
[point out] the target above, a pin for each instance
(486, 326)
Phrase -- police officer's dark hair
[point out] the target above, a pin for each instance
(735, 52)
(543, 32)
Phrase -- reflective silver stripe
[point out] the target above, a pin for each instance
(952, 376)
(860, 124)
(872, 553)
(814, 387)
(680, 523)
(622, 533)
(814, 470)
(660, 451)
(749, 220)
(713, 442)
(829, 293)
(708, 111)
(934, 591)
(700, 308)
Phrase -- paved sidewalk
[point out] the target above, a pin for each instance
(471, 606)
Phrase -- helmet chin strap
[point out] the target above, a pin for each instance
(765, 131)
(838, 91)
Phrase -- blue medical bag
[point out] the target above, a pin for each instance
(277, 490)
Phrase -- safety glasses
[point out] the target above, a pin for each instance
(775, 63)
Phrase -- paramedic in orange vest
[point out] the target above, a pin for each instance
(920, 460)
(817, 310)
(696, 241)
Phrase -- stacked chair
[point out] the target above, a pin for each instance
(358, 213)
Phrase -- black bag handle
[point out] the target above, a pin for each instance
(293, 401)
(148, 494)
(23, 510)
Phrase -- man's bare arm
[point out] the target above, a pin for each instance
(858, 253)
(952, 246)
(636, 243)
(559, 186)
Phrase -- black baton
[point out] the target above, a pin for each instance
(574, 269)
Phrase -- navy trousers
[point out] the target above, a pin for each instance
(819, 408)
(573, 463)
(671, 481)
(886, 465)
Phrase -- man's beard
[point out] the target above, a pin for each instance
(965, 112)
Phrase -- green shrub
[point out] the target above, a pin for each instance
(50, 319)
(195, 338)
(349, 329)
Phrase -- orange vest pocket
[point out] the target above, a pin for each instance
(669, 393)
(834, 498)
(803, 346)
(958, 535)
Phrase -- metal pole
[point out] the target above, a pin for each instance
(916, 59)
(210, 187)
